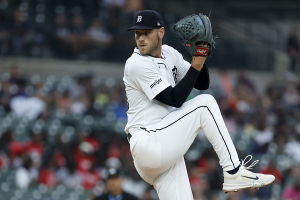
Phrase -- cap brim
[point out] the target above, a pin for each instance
(142, 28)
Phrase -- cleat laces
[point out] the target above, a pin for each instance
(246, 169)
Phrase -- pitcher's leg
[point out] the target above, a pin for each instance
(177, 131)
(165, 144)
(216, 132)
(174, 184)
(169, 140)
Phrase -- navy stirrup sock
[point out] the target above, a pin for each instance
(235, 170)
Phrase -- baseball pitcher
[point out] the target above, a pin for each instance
(161, 125)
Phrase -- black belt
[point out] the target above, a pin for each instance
(128, 137)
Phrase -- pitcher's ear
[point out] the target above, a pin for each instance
(161, 32)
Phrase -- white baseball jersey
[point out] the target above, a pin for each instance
(144, 78)
(161, 135)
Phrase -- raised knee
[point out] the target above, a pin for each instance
(207, 98)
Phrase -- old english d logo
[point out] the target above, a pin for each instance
(201, 51)
(139, 18)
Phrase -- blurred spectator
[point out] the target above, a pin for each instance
(76, 87)
(133, 6)
(291, 96)
(113, 3)
(69, 176)
(226, 83)
(85, 136)
(24, 103)
(103, 96)
(121, 110)
(233, 196)
(293, 191)
(80, 105)
(90, 178)
(84, 157)
(99, 38)
(59, 157)
(113, 162)
(60, 35)
(199, 184)
(4, 41)
(18, 33)
(35, 147)
(5, 95)
(293, 48)
(268, 98)
(78, 26)
(30, 107)
(230, 121)
(15, 74)
(214, 179)
(262, 136)
(97, 34)
(114, 149)
(266, 192)
(272, 169)
(249, 193)
(78, 38)
(64, 101)
(147, 195)
(47, 174)
(19, 88)
(133, 183)
(292, 148)
(114, 187)
(4, 160)
(26, 174)
(12, 148)
(245, 91)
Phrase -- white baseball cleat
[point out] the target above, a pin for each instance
(245, 178)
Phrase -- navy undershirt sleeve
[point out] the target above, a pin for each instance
(202, 82)
(176, 96)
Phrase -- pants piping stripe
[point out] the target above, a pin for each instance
(188, 114)
(221, 136)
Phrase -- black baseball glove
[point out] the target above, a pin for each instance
(194, 29)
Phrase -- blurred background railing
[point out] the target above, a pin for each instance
(63, 104)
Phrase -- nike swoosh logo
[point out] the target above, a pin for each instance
(251, 177)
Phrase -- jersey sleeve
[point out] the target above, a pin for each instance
(147, 78)
(182, 66)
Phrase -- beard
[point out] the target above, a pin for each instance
(152, 47)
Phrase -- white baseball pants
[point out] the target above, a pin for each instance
(158, 150)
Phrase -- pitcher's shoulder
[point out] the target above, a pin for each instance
(136, 61)
(166, 49)
(136, 57)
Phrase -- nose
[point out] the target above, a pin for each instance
(141, 38)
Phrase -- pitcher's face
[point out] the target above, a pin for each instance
(149, 41)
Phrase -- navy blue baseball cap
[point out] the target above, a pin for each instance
(147, 19)
(113, 173)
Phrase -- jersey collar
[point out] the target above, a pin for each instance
(137, 51)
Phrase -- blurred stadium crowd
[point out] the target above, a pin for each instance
(65, 133)
(67, 29)
(59, 136)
